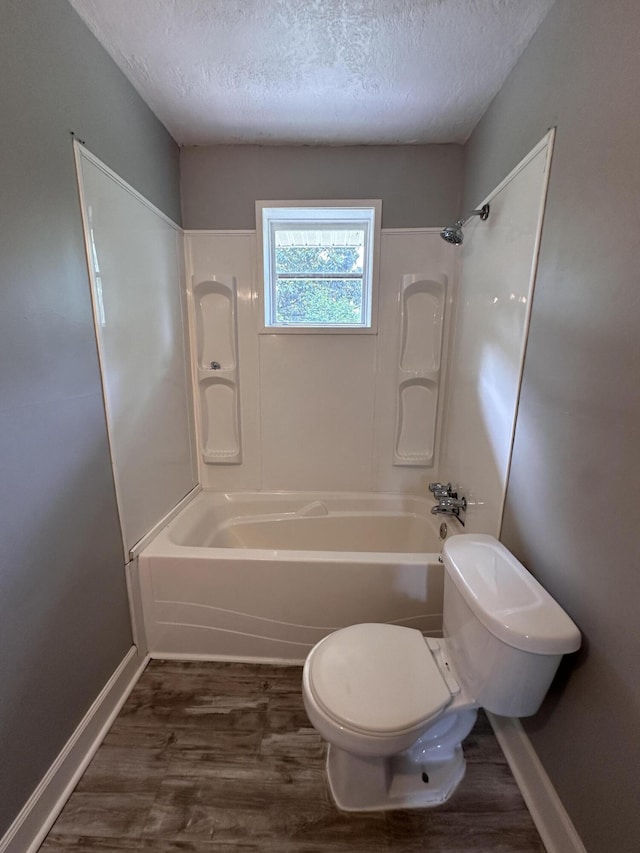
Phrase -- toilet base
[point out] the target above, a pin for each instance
(398, 782)
(424, 775)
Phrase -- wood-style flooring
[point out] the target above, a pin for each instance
(221, 757)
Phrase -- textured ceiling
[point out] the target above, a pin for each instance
(315, 71)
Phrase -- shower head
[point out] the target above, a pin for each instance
(454, 234)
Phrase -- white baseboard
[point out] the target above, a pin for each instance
(180, 656)
(549, 815)
(29, 829)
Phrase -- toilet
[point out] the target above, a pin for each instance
(395, 706)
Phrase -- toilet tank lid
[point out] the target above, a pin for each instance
(506, 598)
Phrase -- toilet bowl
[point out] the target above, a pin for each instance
(388, 703)
(395, 707)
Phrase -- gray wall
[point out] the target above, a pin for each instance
(574, 489)
(64, 623)
(419, 184)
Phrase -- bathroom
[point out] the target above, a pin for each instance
(65, 618)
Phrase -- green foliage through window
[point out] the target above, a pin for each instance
(331, 300)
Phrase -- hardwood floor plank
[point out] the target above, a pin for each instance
(435, 831)
(485, 788)
(95, 844)
(236, 745)
(178, 813)
(118, 770)
(298, 748)
(481, 745)
(130, 734)
(285, 713)
(118, 815)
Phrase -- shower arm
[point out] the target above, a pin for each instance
(483, 213)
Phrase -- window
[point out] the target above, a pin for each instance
(319, 265)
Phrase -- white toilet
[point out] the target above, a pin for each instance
(395, 707)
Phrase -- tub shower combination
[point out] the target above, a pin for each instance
(265, 576)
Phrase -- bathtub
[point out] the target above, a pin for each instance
(263, 576)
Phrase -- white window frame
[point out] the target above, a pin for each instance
(340, 212)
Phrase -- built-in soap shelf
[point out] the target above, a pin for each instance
(215, 308)
(422, 306)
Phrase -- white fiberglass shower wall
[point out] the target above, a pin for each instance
(495, 290)
(135, 257)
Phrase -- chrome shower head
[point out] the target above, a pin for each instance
(454, 234)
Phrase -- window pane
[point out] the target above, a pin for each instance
(318, 300)
(318, 259)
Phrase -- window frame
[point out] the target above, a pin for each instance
(272, 214)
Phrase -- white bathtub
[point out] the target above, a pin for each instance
(264, 576)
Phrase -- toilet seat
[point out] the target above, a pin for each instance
(377, 679)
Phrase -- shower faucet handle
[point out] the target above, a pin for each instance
(439, 494)
(440, 491)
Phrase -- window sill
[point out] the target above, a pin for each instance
(314, 330)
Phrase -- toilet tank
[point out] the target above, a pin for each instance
(505, 634)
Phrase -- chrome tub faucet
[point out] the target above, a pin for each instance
(448, 501)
